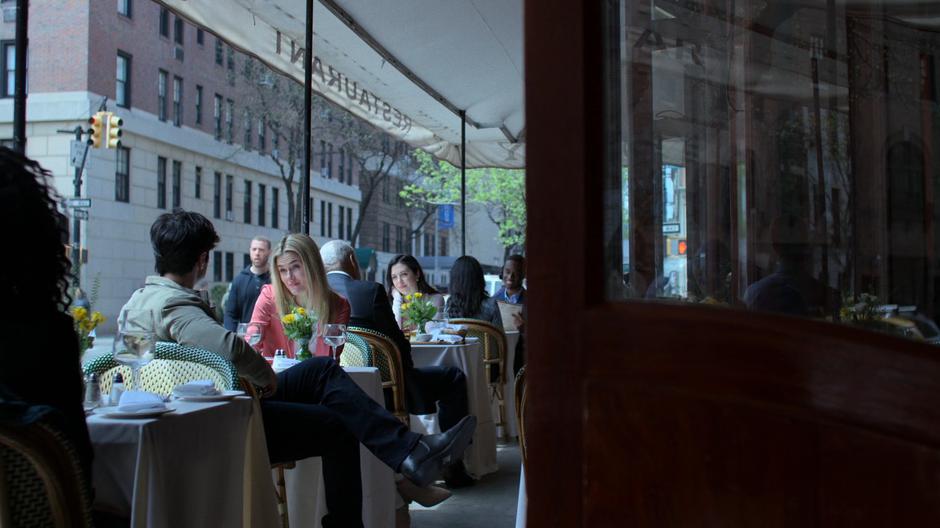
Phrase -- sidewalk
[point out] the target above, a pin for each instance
(102, 345)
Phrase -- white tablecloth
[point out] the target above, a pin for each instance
(480, 457)
(306, 499)
(205, 464)
(512, 339)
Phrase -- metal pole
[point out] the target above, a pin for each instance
(308, 96)
(19, 101)
(76, 223)
(463, 182)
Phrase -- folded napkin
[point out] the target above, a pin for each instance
(450, 339)
(283, 363)
(139, 401)
(196, 388)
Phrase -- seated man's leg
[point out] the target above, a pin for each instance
(295, 431)
(445, 386)
(321, 381)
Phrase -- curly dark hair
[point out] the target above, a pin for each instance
(36, 229)
(467, 288)
(415, 268)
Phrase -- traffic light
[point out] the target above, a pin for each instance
(96, 134)
(114, 131)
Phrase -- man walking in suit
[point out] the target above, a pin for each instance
(427, 389)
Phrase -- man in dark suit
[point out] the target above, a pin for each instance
(427, 389)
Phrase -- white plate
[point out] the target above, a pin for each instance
(224, 395)
(112, 412)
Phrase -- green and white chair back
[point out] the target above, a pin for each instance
(356, 352)
(173, 364)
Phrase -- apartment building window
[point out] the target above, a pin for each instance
(385, 190)
(164, 22)
(349, 168)
(198, 184)
(229, 192)
(399, 235)
(322, 158)
(349, 225)
(122, 85)
(161, 182)
(198, 104)
(247, 126)
(329, 160)
(230, 58)
(217, 196)
(178, 30)
(443, 247)
(229, 127)
(427, 243)
(262, 197)
(229, 266)
(217, 108)
(386, 231)
(125, 8)
(262, 141)
(274, 203)
(217, 266)
(122, 175)
(218, 51)
(342, 165)
(161, 95)
(247, 203)
(9, 68)
(200, 36)
(177, 183)
(341, 221)
(322, 218)
(329, 220)
(177, 101)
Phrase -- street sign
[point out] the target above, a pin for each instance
(78, 203)
(80, 214)
(76, 153)
(671, 228)
(445, 216)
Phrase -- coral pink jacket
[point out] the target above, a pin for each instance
(265, 313)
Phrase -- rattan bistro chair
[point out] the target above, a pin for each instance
(41, 480)
(356, 352)
(386, 357)
(173, 364)
(494, 357)
(520, 396)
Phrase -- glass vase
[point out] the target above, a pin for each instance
(302, 349)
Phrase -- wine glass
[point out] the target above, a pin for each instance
(133, 343)
(250, 332)
(334, 334)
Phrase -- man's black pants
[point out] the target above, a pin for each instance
(318, 410)
(444, 386)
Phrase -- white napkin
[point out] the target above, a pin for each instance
(139, 401)
(283, 363)
(203, 387)
(450, 339)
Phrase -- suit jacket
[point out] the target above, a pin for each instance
(370, 308)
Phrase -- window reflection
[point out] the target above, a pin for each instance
(777, 156)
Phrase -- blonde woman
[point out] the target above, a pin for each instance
(297, 280)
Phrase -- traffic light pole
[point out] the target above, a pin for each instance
(76, 222)
(19, 77)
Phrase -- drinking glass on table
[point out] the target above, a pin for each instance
(250, 332)
(133, 343)
(334, 334)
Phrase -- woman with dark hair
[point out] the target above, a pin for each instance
(405, 277)
(39, 362)
(468, 297)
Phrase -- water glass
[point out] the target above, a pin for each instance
(334, 334)
(250, 332)
(134, 341)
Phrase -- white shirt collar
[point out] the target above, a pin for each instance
(340, 272)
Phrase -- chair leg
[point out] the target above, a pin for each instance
(282, 498)
(500, 412)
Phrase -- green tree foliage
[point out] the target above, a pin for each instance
(501, 192)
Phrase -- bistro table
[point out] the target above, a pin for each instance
(204, 464)
(480, 457)
(306, 499)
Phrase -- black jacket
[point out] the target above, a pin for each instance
(370, 308)
(242, 297)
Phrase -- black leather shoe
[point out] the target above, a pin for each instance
(433, 452)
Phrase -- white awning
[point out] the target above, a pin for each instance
(469, 53)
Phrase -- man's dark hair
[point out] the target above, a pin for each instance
(178, 239)
(467, 288)
(518, 259)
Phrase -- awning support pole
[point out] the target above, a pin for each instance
(463, 182)
(19, 77)
(308, 125)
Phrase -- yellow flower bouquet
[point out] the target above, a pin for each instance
(84, 323)
(417, 310)
(298, 327)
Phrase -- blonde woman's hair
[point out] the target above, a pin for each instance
(317, 297)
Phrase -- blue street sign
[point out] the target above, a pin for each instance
(445, 216)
